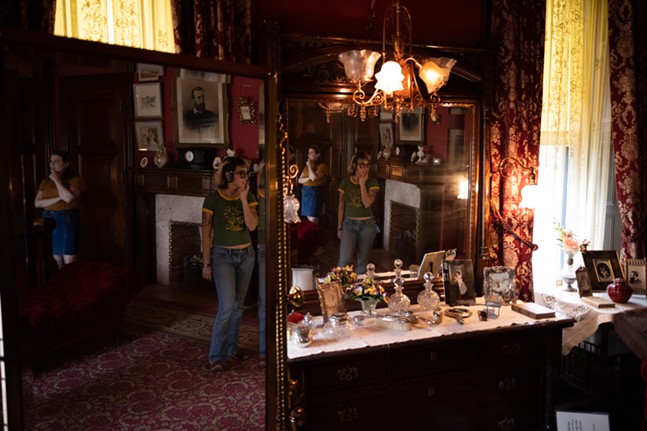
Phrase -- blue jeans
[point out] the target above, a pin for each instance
(65, 236)
(232, 272)
(262, 295)
(357, 236)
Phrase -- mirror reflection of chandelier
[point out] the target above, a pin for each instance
(397, 86)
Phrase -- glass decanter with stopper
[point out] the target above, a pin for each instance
(428, 299)
(398, 302)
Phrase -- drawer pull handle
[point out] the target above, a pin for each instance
(433, 356)
(348, 414)
(507, 424)
(347, 374)
(511, 349)
(507, 384)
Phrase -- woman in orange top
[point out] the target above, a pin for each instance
(59, 195)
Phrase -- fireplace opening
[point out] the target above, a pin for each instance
(185, 254)
(403, 231)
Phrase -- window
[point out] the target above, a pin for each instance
(575, 172)
(144, 24)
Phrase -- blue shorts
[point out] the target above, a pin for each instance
(65, 236)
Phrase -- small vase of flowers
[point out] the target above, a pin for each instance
(344, 275)
(368, 293)
(571, 245)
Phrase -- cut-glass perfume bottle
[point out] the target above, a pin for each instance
(428, 298)
(398, 301)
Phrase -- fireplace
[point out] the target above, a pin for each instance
(185, 253)
(403, 233)
(177, 232)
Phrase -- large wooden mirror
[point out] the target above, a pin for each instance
(429, 177)
(78, 96)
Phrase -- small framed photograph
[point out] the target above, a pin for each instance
(149, 72)
(148, 100)
(584, 287)
(498, 285)
(201, 110)
(635, 270)
(459, 282)
(602, 266)
(412, 125)
(386, 135)
(247, 110)
(331, 298)
(150, 136)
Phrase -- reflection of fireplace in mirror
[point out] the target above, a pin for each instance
(185, 255)
(404, 232)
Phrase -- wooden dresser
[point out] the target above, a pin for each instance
(471, 377)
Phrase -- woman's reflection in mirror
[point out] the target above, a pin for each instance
(228, 217)
(314, 177)
(356, 224)
(59, 195)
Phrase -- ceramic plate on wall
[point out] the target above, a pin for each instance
(143, 162)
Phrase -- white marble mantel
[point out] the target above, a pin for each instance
(402, 193)
(172, 208)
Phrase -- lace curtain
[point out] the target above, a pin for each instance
(144, 24)
(575, 133)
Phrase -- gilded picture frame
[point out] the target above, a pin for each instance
(602, 266)
(331, 299)
(636, 272)
(412, 125)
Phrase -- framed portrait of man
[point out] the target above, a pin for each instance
(201, 110)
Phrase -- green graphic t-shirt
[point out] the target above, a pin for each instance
(353, 196)
(228, 219)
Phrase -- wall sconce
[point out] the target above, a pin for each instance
(530, 192)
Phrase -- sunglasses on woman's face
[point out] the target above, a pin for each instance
(363, 165)
(242, 174)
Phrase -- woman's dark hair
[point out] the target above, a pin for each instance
(352, 168)
(224, 175)
(68, 172)
(317, 150)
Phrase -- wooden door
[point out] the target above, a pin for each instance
(97, 117)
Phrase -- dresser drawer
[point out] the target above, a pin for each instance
(433, 359)
(483, 386)
(515, 348)
(346, 372)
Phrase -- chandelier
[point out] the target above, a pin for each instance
(397, 87)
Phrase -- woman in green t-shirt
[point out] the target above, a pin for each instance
(228, 217)
(356, 225)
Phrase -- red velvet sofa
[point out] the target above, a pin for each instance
(81, 300)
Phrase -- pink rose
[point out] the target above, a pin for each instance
(571, 245)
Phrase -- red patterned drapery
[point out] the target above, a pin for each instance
(218, 29)
(28, 15)
(629, 111)
(518, 30)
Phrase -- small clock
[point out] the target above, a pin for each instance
(189, 156)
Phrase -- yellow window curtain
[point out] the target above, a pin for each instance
(144, 24)
(575, 139)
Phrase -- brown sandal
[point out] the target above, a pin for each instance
(216, 367)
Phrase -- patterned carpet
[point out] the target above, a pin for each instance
(187, 324)
(149, 378)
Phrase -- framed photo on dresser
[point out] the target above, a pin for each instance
(602, 266)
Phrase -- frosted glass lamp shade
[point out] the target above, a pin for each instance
(359, 65)
(435, 72)
(530, 196)
(389, 79)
